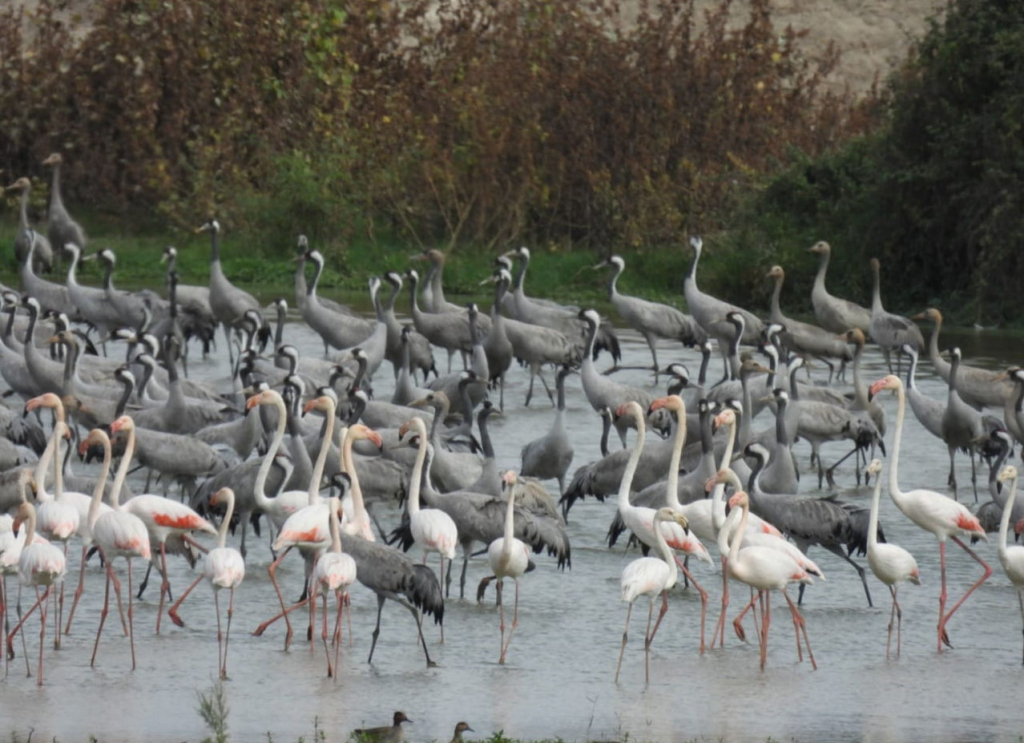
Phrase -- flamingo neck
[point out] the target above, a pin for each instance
(101, 482)
(510, 526)
(416, 479)
(717, 506)
(122, 471)
(321, 458)
(43, 464)
(631, 465)
(894, 465)
(661, 546)
(1004, 521)
(259, 489)
(677, 454)
(737, 536)
(229, 511)
(361, 516)
(876, 498)
(58, 469)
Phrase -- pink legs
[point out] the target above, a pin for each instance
(801, 626)
(703, 601)
(41, 605)
(515, 620)
(720, 624)
(222, 649)
(897, 616)
(943, 616)
(625, 636)
(173, 611)
(284, 612)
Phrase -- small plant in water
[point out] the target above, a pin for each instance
(213, 708)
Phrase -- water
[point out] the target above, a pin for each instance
(558, 679)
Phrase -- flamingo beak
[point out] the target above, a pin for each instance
(253, 401)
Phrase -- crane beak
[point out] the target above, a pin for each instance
(492, 279)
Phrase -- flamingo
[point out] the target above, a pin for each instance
(117, 533)
(432, 529)
(640, 520)
(935, 513)
(508, 557)
(890, 563)
(1012, 557)
(40, 564)
(163, 517)
(335, 571)
(224, 567)
(766, 570)
(650, 576)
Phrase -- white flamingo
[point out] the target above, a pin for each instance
(933, 512)
(1012, 557)
(335, 572)
(890, 563)
(508, 557)
(651, 577)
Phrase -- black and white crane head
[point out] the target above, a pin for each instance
(590, 317)
(107, 256)
(612, 261)
(781, 397)
(73, 250)
(291, 354)
(169, 256)
(503, 262)
(696, 244)
(317, 257)
(281, 304)
(211, 225)
(303, 243)
(395, 279)
(374, 284)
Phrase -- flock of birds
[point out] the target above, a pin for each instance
(254, 451)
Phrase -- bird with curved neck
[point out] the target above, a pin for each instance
(509, 557)
(1011, 557)
(651, 577)
(335, 571)
(890, 563)
(432, 529)
(935, 513)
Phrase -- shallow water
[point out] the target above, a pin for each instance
(558, 680)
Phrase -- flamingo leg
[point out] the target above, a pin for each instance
(120, 606)
(220, 638)
(42, 634)
(103, 616)
(899, 621)
(1020, 600)
(661, 615)
(173, 611)
(78, 592)
(647, 641)
(440, 573)
(984, 577)
(720, 624)
(165, 586)
(59, 614)
(737, 623)
(348, 614)
(515, 620)
(339, 599)
(21, 621)
(892, 620)
(323, 638)
(703, 601)
(802, 623)
(501, 611)
(272, 570)
(263, 627)
(625, 637)
(131, 622)
(764, 629)
(227, 633)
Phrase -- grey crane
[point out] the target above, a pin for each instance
(452, 470)
(51, 296)
(489, 482)
(889, 331)
(861, 401)
(928, 411)
(710, 312)
(833, 313)
(599, 389)
(421, 354)
(804, 338)
(565, 320)
(189, 303)
(828, 522)
(977, 387)
(481, 518)
(780, 474)
(449, 330)
(90, 302)
(130, 308)
(43, 252)
(550, 455)
(393, 575)
(335, 329)
(652, 320)
(13, 366)
(60, 227)
(450, 383)
(1013, 408)
(228, 302)
(302, 290)
(497, 345)
(990, 513)
(433, 285)
(535, 345)
(405, 387)
(962, 426)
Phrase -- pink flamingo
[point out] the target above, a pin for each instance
(1012, 557)
(650, 576)
(509, 557)
(163, 517)
(640, 520)
(766, 570)
(40, 564)
(890, 563)
(335, 571)
(224, 567)
(933, 512)
(117, 533)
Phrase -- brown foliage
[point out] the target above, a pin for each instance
(456, 121)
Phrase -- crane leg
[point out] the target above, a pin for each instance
(376, 630)
(951, 480)
(838, 552)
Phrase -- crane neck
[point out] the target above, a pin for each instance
(214, 246)
(819, 278)
(781, 433)
(279, 331)
(560, 389)
(485, 435)
(859, 390)
(259, 488)
(396, 289)
(606, 428)
(325, 448)
(436, 289)
(933, 344)
(414, 306)
(23, 211)
(912, 372)
(229, 511)
(520, 279)
(318, 268)
(55, 198)
(691, 275)
(775, 308)
(876, 291)
(954, 366)
(101, 482)
(613, 281)
(76, 254)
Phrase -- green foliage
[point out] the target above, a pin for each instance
(452, 123)
(937, 195)
(213, 708)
